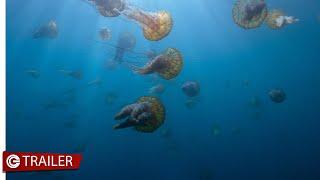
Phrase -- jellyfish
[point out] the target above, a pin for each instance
(126, 42)
(146, 115)
(168, 64)
(277, 95)
(255, 102)
(73, 74)
(33, 73)
(49, 30)
(216, 129)
(109, 8)
(95, 82)
(191, 88)
(155, 25)
(249, 14)
(105, 34)
(276, 19)
(151, 54)
(111, 97)
(157, 89)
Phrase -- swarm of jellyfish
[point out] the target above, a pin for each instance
(249, 14)
(277, 95)
(167, 65)
(155, 25)
(145, 115)
(49, 30)
(276, 19)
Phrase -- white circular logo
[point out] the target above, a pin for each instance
(13, 161)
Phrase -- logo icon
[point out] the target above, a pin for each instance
(13, 161)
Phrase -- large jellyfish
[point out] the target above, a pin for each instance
(157, 89)
(191, 88)
(145, 115)
(276, 19)
(155, 25)
(277, 95)
(49, 30)
(249, 14)
(126, 42)
(168, 64)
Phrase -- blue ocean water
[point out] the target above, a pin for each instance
(232, 65)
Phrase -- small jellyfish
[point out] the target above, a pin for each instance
(277, 95)
(105, 34)
(190, 103)
(145, 115)
(73, 74)
(191, 88)
(157, 89)
(151, 54)
(96, 82)
(255, 102)
(168, 64)
(33, 73)
(276, 19)
(249, 14)
(216, 129)
(111, 97)
(49, 30)
(126, 42)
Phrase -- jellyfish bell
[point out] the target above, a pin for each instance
(191, 88)
(276, 19)
(249, 14)
(168, 64)
(277, 95)
(49, 30)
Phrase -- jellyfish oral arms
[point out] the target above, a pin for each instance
(145, 115)
(276, 19)
(168, 64)
(249, 14)
(49, 30)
